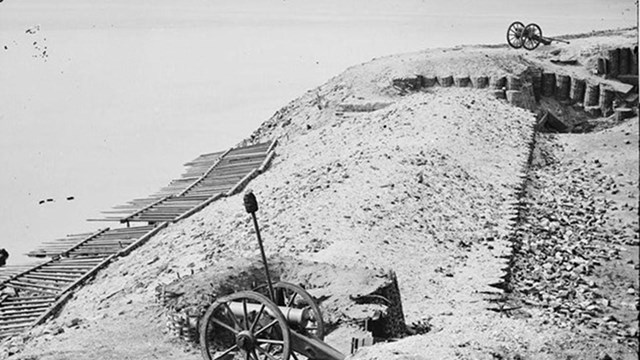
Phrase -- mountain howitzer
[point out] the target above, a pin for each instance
(529, 36)
(250, 326)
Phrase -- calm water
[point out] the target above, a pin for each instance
(106, 99)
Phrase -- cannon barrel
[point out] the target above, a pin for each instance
(292, 315)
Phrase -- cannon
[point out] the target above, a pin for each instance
(286, 323)
(529, 37)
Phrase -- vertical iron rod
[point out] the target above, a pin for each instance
(264, 257)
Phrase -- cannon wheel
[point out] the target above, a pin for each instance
(515, 34)
(295, 296)
(252, 336)
(532, 36)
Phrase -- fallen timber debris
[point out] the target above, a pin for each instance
(78, 257)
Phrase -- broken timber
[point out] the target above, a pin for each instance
(32, 293)
(207, 178)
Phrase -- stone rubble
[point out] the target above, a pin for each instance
(564, 236)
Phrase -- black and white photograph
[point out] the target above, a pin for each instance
(319, 180)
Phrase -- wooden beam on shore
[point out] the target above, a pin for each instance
(199, 207)
(242, 183)
(87, 275)
(205, 174)
(53, 309)
(33, 287)
(26, 271)
(145, 208)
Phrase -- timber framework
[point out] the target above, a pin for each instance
(31, 294)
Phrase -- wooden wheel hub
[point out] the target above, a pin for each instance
(246, 341)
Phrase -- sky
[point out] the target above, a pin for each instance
(105, 100)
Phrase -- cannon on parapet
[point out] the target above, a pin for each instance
(249, 325)
(529, 37)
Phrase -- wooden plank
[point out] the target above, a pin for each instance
(97, 252)
(245, 156)
(53, 309)
(53, 273)
(242, 183)
(126, 230)
(25, 309)
(9, 333)
(43, 283)
(617, 86)
(29, 300)
(199, 207)
(240, 166)
(89, 238)
(237, 172)
(21, 316)
(67, 266)
(143, 239)
(105, 219)
(33, 287)
(62, 271)
(145, 208)
(251, 148)
(230, 181)
(155, 218)
(26, 271)
(10, 327)
(24, 319)
(272, 146)
(46, 278)
(267, 161)
(87, 275)
(205, 174)
(77, 261)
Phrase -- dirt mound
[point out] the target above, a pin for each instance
(347, 295)
(426, 185)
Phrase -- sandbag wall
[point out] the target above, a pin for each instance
(619, 61)
(513, 88)
(524, 91)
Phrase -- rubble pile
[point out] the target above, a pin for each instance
(564, 237)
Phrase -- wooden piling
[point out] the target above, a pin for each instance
(605, 100)
(515, 98)
(498, 82)
(563, 85)
(623, 113)
(548, 84)
(576, 94)
(513, 83)
(462, 81)
(634, 61)
(602, 68)
(536, 82)
(446, 81)
(625, 61)
(499, 94)
(430, 81)
(591, 95)
(480, 82)
(614, 62)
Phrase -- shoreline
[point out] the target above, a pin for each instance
(358, 198)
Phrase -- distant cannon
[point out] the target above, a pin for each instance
(529, 36)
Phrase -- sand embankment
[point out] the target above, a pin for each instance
(424, 184)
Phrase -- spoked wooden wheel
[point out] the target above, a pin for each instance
(244, 325)
(294, 296)
(515, 34)
(532, 36)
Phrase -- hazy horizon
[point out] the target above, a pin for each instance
(104, 101)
